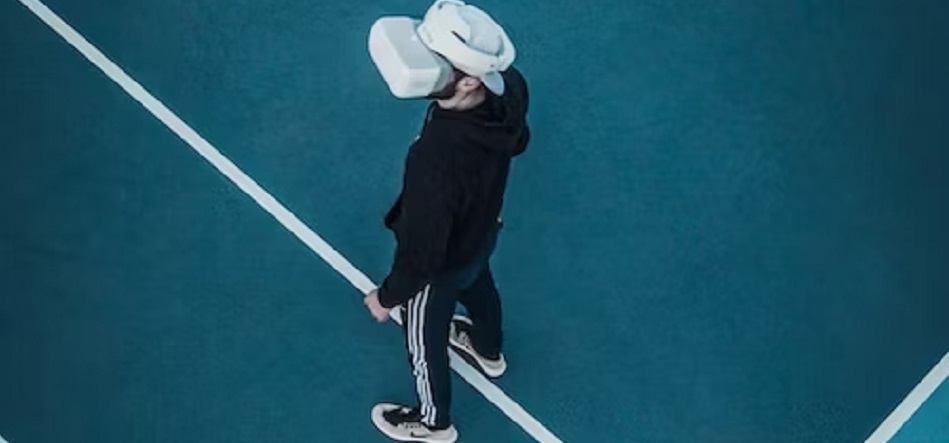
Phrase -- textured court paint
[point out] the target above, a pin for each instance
(770, 202)
(492, 393)
(891, 426)
(930, 424)
(211, 154)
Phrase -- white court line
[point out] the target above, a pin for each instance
(2, 440)
(491, 392)
(892, 424)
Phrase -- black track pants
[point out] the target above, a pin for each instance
(427, 319)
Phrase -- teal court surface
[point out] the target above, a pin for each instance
(730, 225)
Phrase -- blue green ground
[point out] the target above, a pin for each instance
(931, 423)
(729, 227)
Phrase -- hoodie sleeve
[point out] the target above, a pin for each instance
(423, 229)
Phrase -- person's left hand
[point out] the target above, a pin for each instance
(380, 313)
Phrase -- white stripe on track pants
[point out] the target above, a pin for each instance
(428, 316)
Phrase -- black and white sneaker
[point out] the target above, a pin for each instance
(403, 423)
(460, 340)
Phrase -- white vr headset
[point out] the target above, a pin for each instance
(419, 58)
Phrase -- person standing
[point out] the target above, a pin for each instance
(447, 218)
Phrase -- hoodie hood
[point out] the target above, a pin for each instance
(499, 125)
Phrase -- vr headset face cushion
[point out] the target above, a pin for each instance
(449, 90)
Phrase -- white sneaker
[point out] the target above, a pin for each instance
(402, 423)
(460, 340)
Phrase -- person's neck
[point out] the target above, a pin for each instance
(465, 102)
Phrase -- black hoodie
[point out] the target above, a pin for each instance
(453, 188)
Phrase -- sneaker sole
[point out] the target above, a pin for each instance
(384, 427)
(471, 357)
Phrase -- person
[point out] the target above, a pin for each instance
(447, 217)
